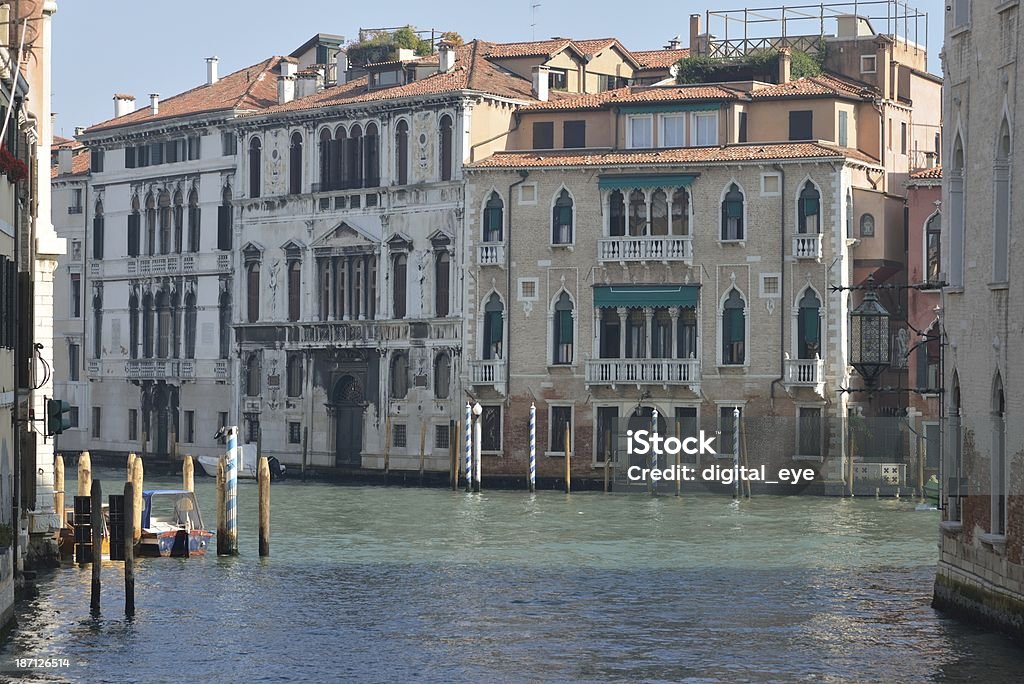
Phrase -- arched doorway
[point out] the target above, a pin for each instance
(642, 419)
(349, 403)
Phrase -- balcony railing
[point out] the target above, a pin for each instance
(807, 246)
(491, 254)
(646, 248)
(151, 368)
(806, 373)
(487, 372)
(643, 372)
(350, 333)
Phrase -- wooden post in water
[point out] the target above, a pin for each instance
(387, 447)
(568, 471)
(131, 465)
(84, 474)
(263, 481)
(138, 476)
(188, 470)
(607, 458)
(453, 456)
(222, 531)
(96, 521)
(129, 549)
(423, 448)
(58, 488)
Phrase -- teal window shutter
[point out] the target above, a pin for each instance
(734, 209)
(565, 216)
(495, 327)
(565, 327)
(811, 207)
(735, 327)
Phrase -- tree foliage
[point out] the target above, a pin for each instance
(761, 65)
(383, 46)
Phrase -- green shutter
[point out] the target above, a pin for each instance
(734, 209)
(811, 322)
(734, 328)
(495, 325)
(564, 215)
(810, 206)
(565, 327)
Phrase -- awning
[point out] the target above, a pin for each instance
(645, 295)
(621, 182)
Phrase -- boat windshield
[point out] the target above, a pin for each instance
(174, 509)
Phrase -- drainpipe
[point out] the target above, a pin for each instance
(523, 175)
(782, 281)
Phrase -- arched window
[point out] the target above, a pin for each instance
(97, 231)
(255, 167)
(97, 331)
(163, 325)
(442, 376)
(933, 248)
(447, 153)
(809, 210)
(133, 327)
(224, 320)
(294, 289)
(190, 326)
(252, 291)
(252, 375)
(637, 213)
(402, 152)
(809, 326)
(957, 176)
(164, 205)
(616, 214)
(734, 329)
(494, 218)
(686, 334)
(494, 327)
(399, 268)
(659, 213)
(224, 220)
(295, 164)
(562, 333)
(150, 225)
(561, 219)
(294, 375)
(147, 326)
(399, 376)
(194, 218)
(371, 157)
(1001, 215)
(179, 222)
(134, 229)
(175, 350)
(326, 153)
(339, 153)
(999, 474)
(929, 359)
(681, 212)
(354, 157)
(732, 214)
(849, 212)
(442, 283)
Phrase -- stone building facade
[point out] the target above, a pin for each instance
(981, 566)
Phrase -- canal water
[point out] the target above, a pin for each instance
(394, 585)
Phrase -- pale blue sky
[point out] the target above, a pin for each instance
(142, 46)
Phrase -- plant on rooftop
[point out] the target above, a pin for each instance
(452, 38)
(760, 65)
(383, 46)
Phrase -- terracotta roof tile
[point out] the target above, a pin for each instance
(60, 142)
(826, 84)
(659, 59)
(934, 173)
(535, 48)
(636, 95)
(79, 167)
(683, 155)
(254, 87)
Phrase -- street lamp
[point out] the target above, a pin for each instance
(477, 439)
(870, 352)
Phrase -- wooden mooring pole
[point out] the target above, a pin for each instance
(131, 465)
(96, 521)
(607, 458)
(129, 549)
(568, 470)
(222, 532)
(188, 470)
(84, 474)
(58, 488)
(423, 448)
(453, 455)
(263, 481)
(138, 475)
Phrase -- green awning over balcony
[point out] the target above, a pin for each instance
(647, 181)
(645, 295)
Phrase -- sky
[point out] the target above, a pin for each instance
(102, 47)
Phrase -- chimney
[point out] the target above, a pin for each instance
(211, 70)
(285, 89)
(445, 57)
(63, 161)
(79, 130)
(341, 68)
(673, 44)
(785, 64)
(406, 54)
(694, 30)
(154, 103)
(308, 81)
(540, 83)
(123, 104)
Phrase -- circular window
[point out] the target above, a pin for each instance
(273, 154)
(423, 138)
(867, 225)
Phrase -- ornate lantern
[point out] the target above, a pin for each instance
(870, 352)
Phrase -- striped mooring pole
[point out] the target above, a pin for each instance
(736, 450)
(654, 453)
(469, 447)
(533, 447)
(231, 497)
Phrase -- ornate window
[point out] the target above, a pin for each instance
(957, 180)
(494, 327)
(442, 283)
(732, 214)
(194, 217)
(402, 152)
(399, 376)
(809, 326)
(494, 219)
(179, 222)
(190, 325)
(1001, 215)
(294, 287)
(147, 326)
(133, 327)
(164, 205)
(562, 219)
(933, 248)
(809, 210)
(97, 231)
(442, 375)
(163, 325)
(252, 288)
(224, 220)
(255, 167)
(447, 153)
(371, 157)
(293, 371)
(734, 329)
(224, 320)
(150, 225)
(637, 213)
(134, 219)
(562, 334)
(295, 164)
(616, 214)
(399, 272)
(252, 375)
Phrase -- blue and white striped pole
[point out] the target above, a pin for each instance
(469, 447)
(533, 447)
(654, 453)
(231, 495)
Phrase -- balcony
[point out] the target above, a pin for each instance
(665, 372)
(646, 248)
(350, 333)
(151, 369)
(167, 264)
(807, 246)
(806, 373)
(487, 372)
(74, 210)
(491, 254)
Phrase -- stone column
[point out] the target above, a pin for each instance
(673, 334)
(648, 322)
(623, 312)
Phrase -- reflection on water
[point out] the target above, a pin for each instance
(388, 584)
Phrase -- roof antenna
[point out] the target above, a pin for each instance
(533, 24)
